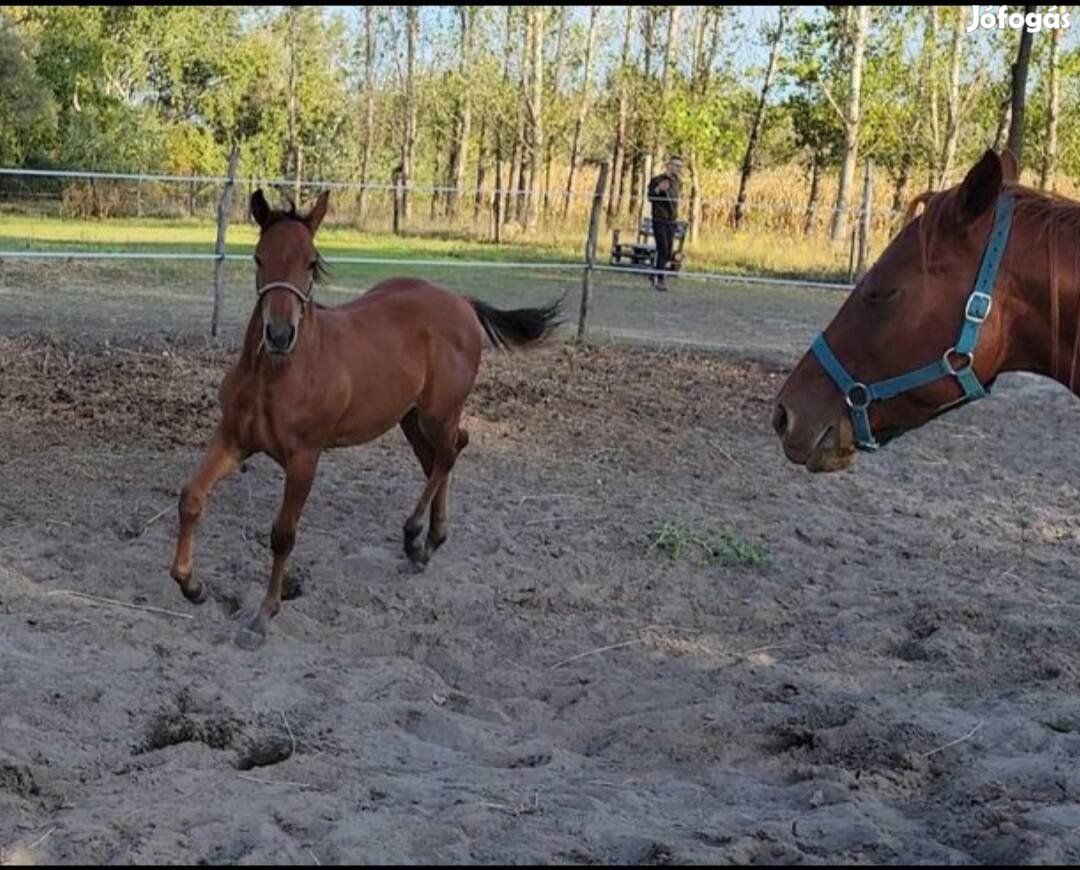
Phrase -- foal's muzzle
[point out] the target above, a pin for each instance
(279, 337)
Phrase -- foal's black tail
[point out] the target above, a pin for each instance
(518, 327)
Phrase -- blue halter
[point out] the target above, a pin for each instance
(859, 396)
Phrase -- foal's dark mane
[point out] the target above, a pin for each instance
(1055, 220)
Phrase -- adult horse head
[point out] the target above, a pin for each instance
(967, 290)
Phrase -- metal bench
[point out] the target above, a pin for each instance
(642, 251)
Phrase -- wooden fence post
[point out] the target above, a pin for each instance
(646, 177)
(590, 250)
(224, 204)
(496, 203)
(399, 199)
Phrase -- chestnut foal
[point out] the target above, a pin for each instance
(311, 377)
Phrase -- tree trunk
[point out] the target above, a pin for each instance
(293, 148)
(508, 197)
(556, 89)
(437, 141)
(932, 91)
(701, 19)
(694, 165)
(852, 121)
(759, 115)
(626, 188)
(643, 133)
(536, 120)
(463, 121)
(815, 194)
(1050, 152)
(900, 185)
(369, 112)
(298, 184)
(637, 167)
(1019, 91)
(1004, 117)
(583, 108)
(408, 145)
(952, 105)
(665, 82)
(619, 156)
(481, 167)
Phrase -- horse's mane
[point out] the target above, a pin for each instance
(1050, 218)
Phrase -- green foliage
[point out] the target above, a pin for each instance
(173, 88)
(711, 125)
(676, 540)
(27, 108)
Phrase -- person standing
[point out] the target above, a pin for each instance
(664, 195)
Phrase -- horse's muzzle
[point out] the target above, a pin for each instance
(279, 337)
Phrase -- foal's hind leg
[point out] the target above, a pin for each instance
(440, 513)
(220, 459)
(410, 425)
(444, 442)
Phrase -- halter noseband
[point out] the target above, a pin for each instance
(859, 396)
(285, 285)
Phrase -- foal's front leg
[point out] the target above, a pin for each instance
(299, 475)
(222, 456)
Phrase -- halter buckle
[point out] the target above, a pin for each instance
(858, 404)
(978, 307)
(968, 355)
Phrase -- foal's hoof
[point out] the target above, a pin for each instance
(249, 639)
(414, 549)
(196, 593)
(419, 556)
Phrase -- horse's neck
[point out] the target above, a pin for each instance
(1044, 330)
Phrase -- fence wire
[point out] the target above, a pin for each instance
(145, 264)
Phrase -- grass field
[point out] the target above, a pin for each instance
(118, 297)
(751, 252)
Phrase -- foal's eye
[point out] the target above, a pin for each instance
(312, 265)
(258, 262)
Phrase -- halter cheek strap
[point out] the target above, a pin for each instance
(859, 395)
(285, 285)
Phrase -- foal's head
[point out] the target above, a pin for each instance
(287, 266)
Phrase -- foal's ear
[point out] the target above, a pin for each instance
(260, 208)
(980, 187)
(318, 212)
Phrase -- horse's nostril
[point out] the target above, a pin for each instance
(280, 336)
(779, 421)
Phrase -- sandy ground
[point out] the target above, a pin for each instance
(876, 666)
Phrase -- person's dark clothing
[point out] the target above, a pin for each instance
(665, 211)
(664, 233)
(665, 203)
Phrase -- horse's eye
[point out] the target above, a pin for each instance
(312, 266)
(258, 262)
(880, 294)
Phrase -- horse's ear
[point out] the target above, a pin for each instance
(318, 212)
(1009, 166)
(980, 188)
(260, 208)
